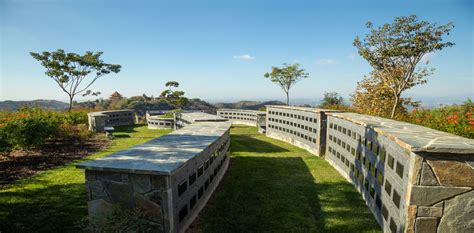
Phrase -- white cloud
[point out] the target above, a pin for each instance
(244, 57)
(326, 61)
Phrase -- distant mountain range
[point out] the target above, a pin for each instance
(45, 104)
(249, 105)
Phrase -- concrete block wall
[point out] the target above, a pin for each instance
(240, 116)
(99, 120)
(157, 122)
(303, 127)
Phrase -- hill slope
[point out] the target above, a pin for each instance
(11, 105)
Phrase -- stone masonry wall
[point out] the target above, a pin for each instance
(109, 190)
(442, 196)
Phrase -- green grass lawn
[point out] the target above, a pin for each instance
(272, 186)
(55, 200)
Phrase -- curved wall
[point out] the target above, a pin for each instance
(157, 122)
(404, 172)
(302, 127)
(99, 120)
(240, 116)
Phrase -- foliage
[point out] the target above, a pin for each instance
(55, 200)
(394, 50)
(69, 70)
(455, 119)
(174, 97)
(373, 97)
(331, 99)
(31, 127)
(286, 77)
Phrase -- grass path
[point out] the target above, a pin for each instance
(55, 200)
(272, 186)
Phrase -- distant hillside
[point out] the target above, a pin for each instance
(45, 104)
(250, 105)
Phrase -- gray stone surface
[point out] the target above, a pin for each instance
(155, 196)
(140, 183)
(150, 207)
(413, 137)
(458, 214)
(424, 211)
(98, 208)
(97, 189)
(119, 193)
(164, 154)
(426, 225)
(427, 176)
(453, 172)
(429, 195)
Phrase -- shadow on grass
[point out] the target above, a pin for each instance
(51, 208)
(127, 128)
(280, 194)
(245, 143)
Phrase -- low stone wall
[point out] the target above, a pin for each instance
(170, 178)
(157, 122)
(99, 120)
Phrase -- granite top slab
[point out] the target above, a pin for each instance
(415, 138)
(164, 154)
(201, 116)
(307, 109)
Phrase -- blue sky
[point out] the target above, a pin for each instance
(219, 50)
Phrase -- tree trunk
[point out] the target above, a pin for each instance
(395, 104)
(288, 99)
(70, 103)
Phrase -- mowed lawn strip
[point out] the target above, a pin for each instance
(55, 200)
(272, 186)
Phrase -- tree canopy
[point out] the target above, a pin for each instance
(394, 51)
(173, 96)
(70, 70)
(286, 77)
(331, 99)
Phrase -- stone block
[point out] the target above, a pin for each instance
(96, 189)
(453, 172)
(429, 195)
(99, 208)
(141, 183)
(158, 182)
(424, 211)
(427, 176)
(110, 176)
(152, 209)
(155, 196)
(119, 193)
(458, 214)
(426, 225)
(411, 217)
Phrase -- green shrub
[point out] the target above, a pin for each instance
(31, 127)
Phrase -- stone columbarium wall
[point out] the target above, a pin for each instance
(300, 126)
(157, 122)
(182, 119)
(171, 177)
(99, 120)
(241, 116)
(413, 179)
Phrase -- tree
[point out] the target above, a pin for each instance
(286, 77)
(70, 70)
(331, 99)
(372, 97)
(173, 96)
(396, 49)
